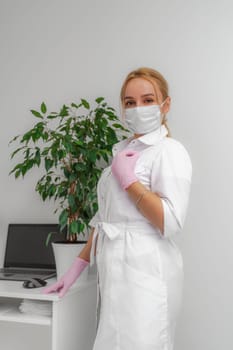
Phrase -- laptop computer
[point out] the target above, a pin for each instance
(26, 253)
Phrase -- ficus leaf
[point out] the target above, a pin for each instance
(75, 105)
(36, 114)
(17, 173)
(64, 112)
(16, 151)
(48, 238)
(43, 108)
(74, 227)
(37, 158)
(52, 116)
(81, 227)
(99, 99)
(71, 200)
(14, 139)
(85, 103)
(63, 217)
(48, 164)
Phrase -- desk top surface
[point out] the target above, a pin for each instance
(15, 289)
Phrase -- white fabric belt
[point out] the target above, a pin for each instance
(117, 231)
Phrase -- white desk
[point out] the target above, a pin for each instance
(71, 327)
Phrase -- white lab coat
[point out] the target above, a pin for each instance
(140, 271)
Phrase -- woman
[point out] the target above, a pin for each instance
(143, 198)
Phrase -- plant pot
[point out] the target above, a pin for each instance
(64, 254)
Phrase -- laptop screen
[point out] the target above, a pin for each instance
(26, 245)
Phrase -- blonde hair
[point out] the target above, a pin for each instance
(155, 78)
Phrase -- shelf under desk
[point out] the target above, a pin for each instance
(72, 324)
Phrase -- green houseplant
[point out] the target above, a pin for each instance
(72, 146)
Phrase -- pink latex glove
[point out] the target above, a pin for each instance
(66, 281)
(123, 165)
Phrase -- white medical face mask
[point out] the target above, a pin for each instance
(143, 119)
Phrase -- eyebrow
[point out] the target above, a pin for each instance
(145, 95)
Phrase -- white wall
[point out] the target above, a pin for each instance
(59, 51)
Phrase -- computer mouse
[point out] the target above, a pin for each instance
(34, 283)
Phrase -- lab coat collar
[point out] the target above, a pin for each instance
(153, 137)
(149, 139)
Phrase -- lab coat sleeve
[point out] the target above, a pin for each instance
(95, 219)
(171, 180)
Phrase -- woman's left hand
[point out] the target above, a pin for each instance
(123, 165)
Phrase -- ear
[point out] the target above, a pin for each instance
(166, 107)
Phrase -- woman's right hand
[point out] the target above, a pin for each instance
(123, 165)
(68, 279)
